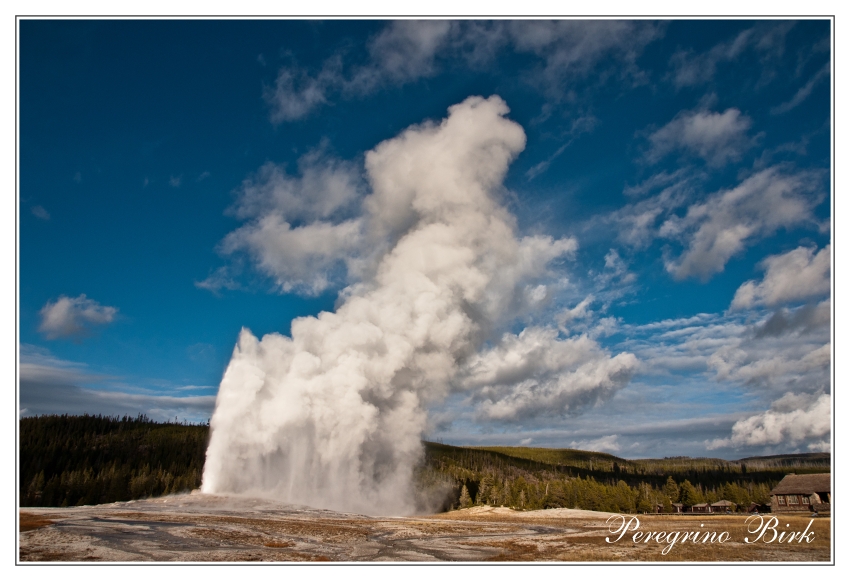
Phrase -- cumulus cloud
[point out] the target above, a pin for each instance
(718, 138)
(299, 259)
(301, 230)
(68, 317)
(721, 227)
(797, 275)
(333, 414)
(793, 419)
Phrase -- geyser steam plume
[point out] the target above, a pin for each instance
(332, 417)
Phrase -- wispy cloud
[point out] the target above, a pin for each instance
(68, 317)
(803, 93)
(408, 50)
(583, 124)
(40, 212)
(49, 385)
(222, 277)
(603, 444)
(692, 69)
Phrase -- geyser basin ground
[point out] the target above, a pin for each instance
(200, 527)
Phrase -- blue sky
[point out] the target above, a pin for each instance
(687, 161)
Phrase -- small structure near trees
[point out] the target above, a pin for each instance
(723, 506)
(802, 493)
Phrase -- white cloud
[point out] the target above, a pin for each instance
(794, 276)
(603, 444)
(535, 373)
(68, 317)
(720, 227)
(300, 259)
(300, 230)
(406, 50)
(323, 187)
(718, 138)
(175, 181)
(40, 212)
(793, 419)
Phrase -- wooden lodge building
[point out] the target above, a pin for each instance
(802, 493)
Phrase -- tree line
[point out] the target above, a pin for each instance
(529, 479)
(76, 460)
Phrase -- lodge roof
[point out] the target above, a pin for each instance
(722, 503)
(803, 484)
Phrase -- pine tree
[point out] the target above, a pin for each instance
(465, 500)
(671, 489)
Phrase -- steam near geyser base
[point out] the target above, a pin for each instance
(333, 416)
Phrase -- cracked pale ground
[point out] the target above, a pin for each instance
(198, 528)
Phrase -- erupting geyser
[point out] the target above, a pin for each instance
(332, 417)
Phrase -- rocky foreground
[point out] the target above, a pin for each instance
(203, 528)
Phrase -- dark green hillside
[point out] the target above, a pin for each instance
(562, 457)
(75, 460)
